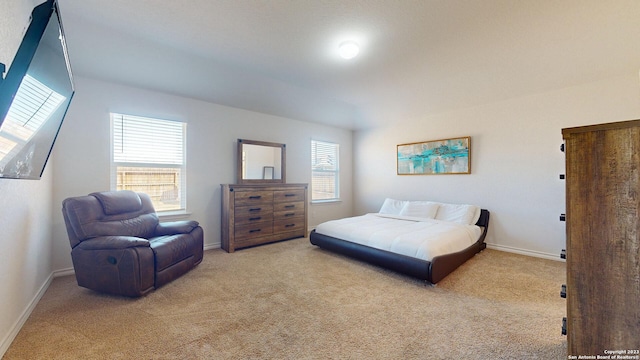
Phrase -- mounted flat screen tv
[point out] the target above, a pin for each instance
(34, 96)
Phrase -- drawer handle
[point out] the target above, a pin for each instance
(255, 197)
(290, 225)
(255, 218)
(289, 206)
(289, 214)
(255, 209)
(289, 195)
(255, 231)
(563, 291)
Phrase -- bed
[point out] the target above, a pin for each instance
(423, 239)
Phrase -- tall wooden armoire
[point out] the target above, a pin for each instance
(603, 246)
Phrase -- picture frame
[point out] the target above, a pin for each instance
(435, 157)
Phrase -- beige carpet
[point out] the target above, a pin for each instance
(291, 300)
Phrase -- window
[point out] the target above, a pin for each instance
(325, 171)
(148, 155)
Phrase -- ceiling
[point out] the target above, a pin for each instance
(417, 57)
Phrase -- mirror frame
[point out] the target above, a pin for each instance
(283, 162)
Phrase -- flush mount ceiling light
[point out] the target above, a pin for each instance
(348, 49)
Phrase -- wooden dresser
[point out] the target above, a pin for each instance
(254, 214)
(603, 246)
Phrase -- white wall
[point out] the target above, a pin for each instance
(81, 156)
(25, 212)
(516, 159)
(515, 166)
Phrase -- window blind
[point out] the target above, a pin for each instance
(148, 141)
(324, 170)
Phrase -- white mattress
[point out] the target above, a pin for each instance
(415, 237)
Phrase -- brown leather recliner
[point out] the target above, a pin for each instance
(120, 247)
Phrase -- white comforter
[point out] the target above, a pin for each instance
(415, 237)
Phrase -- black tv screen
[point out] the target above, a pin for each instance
(34, 96)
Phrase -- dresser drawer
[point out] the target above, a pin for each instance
(252, 214)
(288, 210)
(253, 230)
(254, 218)
(295, 224)
(289, 206)
(253, 197)
(288, 195)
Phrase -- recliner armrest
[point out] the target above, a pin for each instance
(176, 227)
(113, 242)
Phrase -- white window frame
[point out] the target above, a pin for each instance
(316, 169)
(176, 162)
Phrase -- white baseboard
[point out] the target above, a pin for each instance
(15, 329)
(63, 272)
(212, 246)
(533, 253)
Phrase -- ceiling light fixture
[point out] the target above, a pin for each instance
(349, 49)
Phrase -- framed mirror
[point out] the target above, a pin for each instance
(261, 162)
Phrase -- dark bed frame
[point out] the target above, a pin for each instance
(431, 271)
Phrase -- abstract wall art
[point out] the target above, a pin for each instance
(447, 156)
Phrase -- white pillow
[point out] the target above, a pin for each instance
(458, 213)
(421, 209)
(476, 216)
(392, 207)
